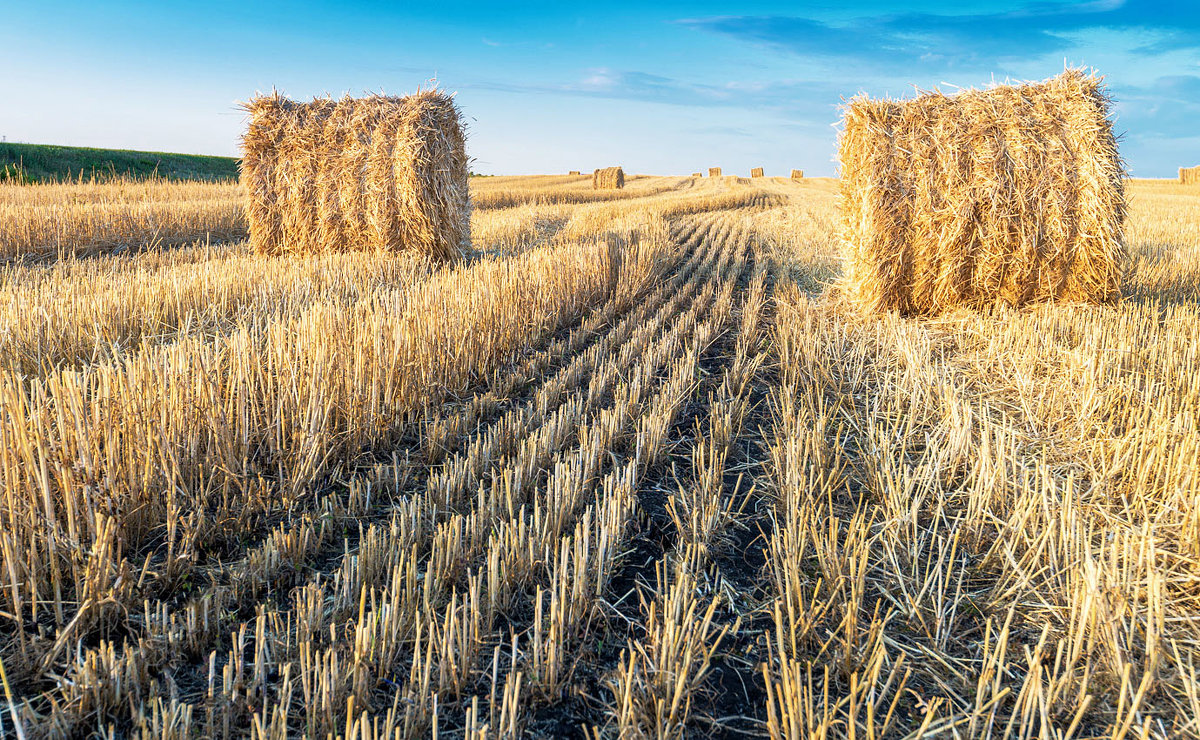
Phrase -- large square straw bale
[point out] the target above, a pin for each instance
(1011, 195)
(374, 173)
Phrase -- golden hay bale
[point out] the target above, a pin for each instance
(697, 174)
(1189, 175)
(608, 178)
(797, 174)
(714, 171)
(1010, 195)
(573, 172)
(756, 172)
(374, 173)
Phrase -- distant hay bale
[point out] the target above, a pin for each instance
(375, 173)
(697, 174)
(756, 172)
(714, 171)
(797, 174)
(608, 178)
(1189, 175)
(573, 172)
(1012, 195)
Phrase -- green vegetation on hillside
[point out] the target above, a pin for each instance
(42, 163)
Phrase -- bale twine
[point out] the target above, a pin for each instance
(1011, 195)
(374, 173)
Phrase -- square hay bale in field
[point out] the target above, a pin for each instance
(797, 174)
(1010, 195)
(714, 171)
(375, 173)
(608, 178)
(756, 172)
(1189, 175)
(697, 174)
(573, 172)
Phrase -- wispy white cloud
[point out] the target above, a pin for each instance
(946, 40)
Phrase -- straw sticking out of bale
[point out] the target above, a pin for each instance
(797, 174)
(714, 171)
(1011, 195)
(1189, 175)
(608, 178)
(374, 173)
(756, 172)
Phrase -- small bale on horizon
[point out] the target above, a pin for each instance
(697, 174)
(756, 172)
(608, 178)
(573, 172)
(376, 173)
(797, 174)
(1012, 195)
(714, 171)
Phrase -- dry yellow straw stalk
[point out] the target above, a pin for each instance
(608, 178)
(375, 173)
(756, 172)
(1010, 195)
(797, 174)
(714, 171)
(1189, 175)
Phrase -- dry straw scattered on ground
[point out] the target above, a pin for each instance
(375, 173)
(1010, 195)
(608, 178)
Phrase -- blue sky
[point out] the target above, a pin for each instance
(660, 87)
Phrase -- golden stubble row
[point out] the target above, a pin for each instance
(320, 670)
(1002, 486)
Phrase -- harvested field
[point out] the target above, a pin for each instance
(673, 490)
